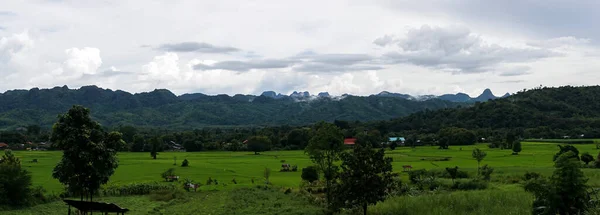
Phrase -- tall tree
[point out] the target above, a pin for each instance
(258, 144)
(324, 149)
(516, 148)
(89, 154)
(479, 155)
(15, 182)
(157, 144)
(364, 179)
(138, 143)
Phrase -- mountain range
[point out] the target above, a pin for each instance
(161, 108)
(459, 97)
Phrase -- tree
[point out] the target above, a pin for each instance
(324, 149)
(156, 143)
(453, 172)
(364, 179)
(565, 192)
(393, 145)
(185, 163)
(310, 174)
(587, 158)
(89, 154)
(138, 143)
(479, 155)
(565, 149)
(128, 132)
(298, 138)
(15, 182)
(259, 144)
(516, 148)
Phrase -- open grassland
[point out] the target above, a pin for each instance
(244, 166)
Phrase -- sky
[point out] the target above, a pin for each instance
(247, 47)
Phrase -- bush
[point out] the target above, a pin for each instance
(486, 172)
(531, 175)
(416, 175)
(233, 181)
(185, 163)
(310, 174)
(444, 174)
(169, 172)
(295, 168)
(473, 184)
(209, 181)
(135, 189)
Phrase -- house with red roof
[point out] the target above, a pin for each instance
(3, 146)
(349, 141)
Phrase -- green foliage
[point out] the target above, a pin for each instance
(89, 154)
(486, 172)
(587, 158)
(324, 149)
(393, 145)
(167, 195)
(135, 189)
(169, 172)
(516, 147)
(259, 144)
(565, 192)
(364, 179)
(156, 144)
(310, 174)
(565, 149)
(185, 163)
(267, 175)
(456, 136)
(478, 155)
(453, 172)
(531, 175)
(471, 184)
(15, 182)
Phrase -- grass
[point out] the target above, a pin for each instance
(240, 201)
(244, 166)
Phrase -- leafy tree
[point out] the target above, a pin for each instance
(453, 172)
(565, 149)
(393, 145)
(298, 137)
(478, 155)
(89, 154)
(138, 143)
(156, 144)
(185, 163)
(565, 192)
(128, 132)
(192, 145)
(258, 144)
(310, 174)
(325, 149)
(516, 147)
(587, 158)
(364, 179)
(15, 182)
(456, 136)
(169, 172)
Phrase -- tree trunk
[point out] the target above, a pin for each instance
(365, 209)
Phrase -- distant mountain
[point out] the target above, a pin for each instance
(162, 108)
(459, 97)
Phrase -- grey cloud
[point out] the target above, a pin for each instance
(457, 50)
(196, 47)
(509, 82)
(516, 71)
(384, 41)
(322, 67)
(242, 66)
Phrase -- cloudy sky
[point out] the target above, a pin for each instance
(356, 47)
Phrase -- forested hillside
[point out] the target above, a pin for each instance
(537, 113)
(161, 108)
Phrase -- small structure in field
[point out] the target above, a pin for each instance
(85, 207)
(406, 168)
(3, 145)
(171, 178)
(350, 141)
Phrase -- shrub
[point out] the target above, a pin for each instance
(233, 181)
(169, 172)
(473, 184)
(209, 181)
(486, 172)
(282, 161)
(295, 168)
(531, 175)
(185, 163)
(135, 189)
(587, 158)
(416, 175)
(267, 175)
(310, 174)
